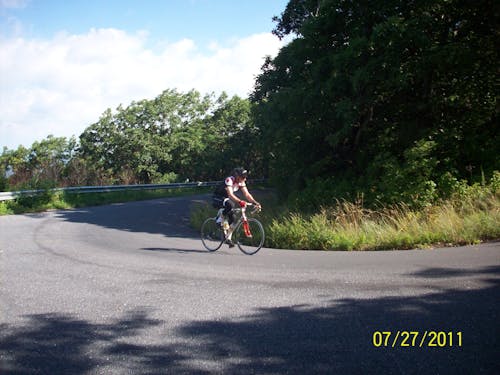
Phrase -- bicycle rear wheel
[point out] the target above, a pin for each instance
(249, 244)
(212, 234)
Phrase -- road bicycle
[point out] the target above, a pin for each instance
(246, 233)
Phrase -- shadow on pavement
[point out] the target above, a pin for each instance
(334, 338)
(168, 216)
(181, 251)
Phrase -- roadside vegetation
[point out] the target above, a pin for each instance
(470, 216)
(460, 220)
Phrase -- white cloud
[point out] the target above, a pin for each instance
(13, 4)
(62, 85)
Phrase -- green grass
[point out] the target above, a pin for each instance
(349, 226)
(61, 200)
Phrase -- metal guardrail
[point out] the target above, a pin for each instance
(10, 195)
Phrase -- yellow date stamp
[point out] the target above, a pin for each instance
(416, 339)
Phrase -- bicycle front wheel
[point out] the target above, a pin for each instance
(212, 234)
(249, 241)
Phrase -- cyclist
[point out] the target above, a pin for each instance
(224, 196)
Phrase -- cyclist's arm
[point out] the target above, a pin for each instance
(231, 195)
(249, 196)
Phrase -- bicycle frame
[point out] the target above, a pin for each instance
(243, 218)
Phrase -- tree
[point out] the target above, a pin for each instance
(49, 157)
(45, 162)
(365, 85)
(175, 135)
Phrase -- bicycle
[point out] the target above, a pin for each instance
(246, 233)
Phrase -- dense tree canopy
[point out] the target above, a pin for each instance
(174, 136)
(388, 98)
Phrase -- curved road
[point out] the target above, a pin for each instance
(128, 288)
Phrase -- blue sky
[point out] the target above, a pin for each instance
(201, 20)
(63, 63)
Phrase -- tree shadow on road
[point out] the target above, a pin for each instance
(336, 337)
(175, 250)
(168, 216)
(62, 344)
(339, 337)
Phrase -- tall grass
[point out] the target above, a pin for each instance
(349, 226)
(469, 217)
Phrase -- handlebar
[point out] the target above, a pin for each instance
(255, 208)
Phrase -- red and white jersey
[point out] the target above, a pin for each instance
(231, 183)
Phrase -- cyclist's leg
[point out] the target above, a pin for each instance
(218, 203)
(229, 214)
(220, 216)
(228, 210)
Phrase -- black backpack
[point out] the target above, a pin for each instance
(219, 195)
(220, 190)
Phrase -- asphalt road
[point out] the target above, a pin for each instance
(129, 289)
